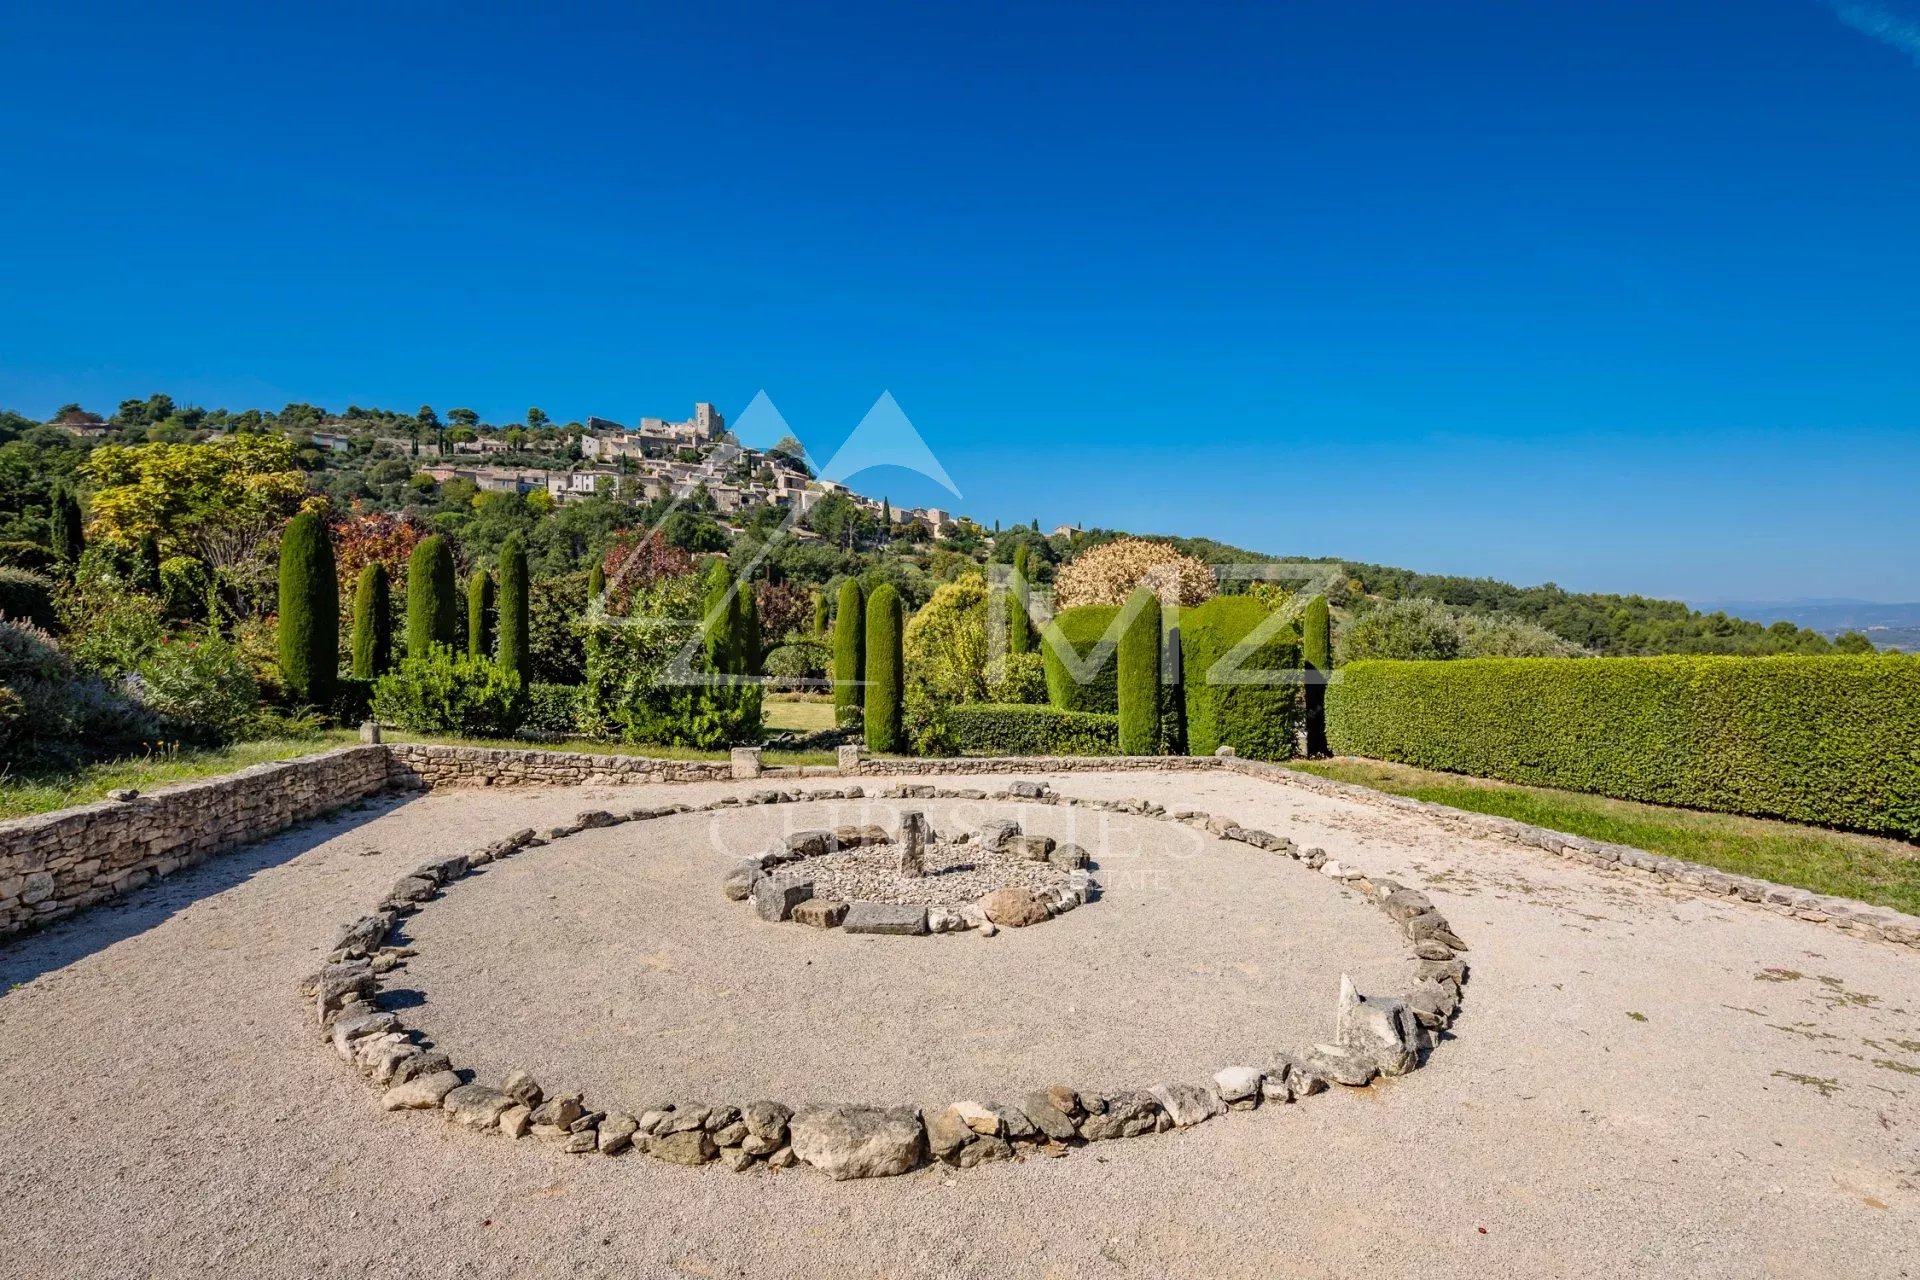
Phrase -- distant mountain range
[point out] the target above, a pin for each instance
(1895, 626)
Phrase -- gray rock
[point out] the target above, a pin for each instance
(430, 1062)
(692, 1146)
(1030, 848)
(412, 889)
(1431, 949)
(1378, 1029)
(1331, 1062)
(739, 882)
(1404, 904)
(593, 818)
(1433, 1003)
(983, 1149)
(684, 1119)
(767, 1120)
(1068, 857)
(1047, 1117)
(523, 1088)
(820, 913)
(737, 1159)
(513, 1122)
(445, 870)
(616, 1132)
(913, 844)
(947, 1132)
(559, 1113)
(760, 1146)
(363, 937)
(421, 1092)
(995, 832)
(858, 1142)
(477, 1106)
(731, 1135)
(1189, 1104)
(1126, 1115)
(782, 1159)
(810, 844)
(1432, 926)
(1014, 1122)
(578, 1144)
(1024, 790)
(775, 897)
(1239, 1087)
(883, 917)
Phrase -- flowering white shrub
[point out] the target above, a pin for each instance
(1109, 573)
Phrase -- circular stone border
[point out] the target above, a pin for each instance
(1374, 1036)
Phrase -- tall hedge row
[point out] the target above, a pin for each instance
(1249, 703)
(372, 624)
(885, 671)
(1833, 740)
(309, 627)
(1026, 729)
(1081, 629)
(1316, 656)
(433, 615)
(849, 649)
(516, 636)
(1139, 677)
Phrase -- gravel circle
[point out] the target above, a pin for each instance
(957, 874)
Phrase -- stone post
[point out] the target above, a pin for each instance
(369, 731)
(746, 762)
(913, 844)
(849, 759)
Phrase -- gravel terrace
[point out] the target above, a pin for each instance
(1641, 1083)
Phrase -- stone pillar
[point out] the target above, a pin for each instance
(913, 844)
(849, 757)
(369, 731)
(746, 762)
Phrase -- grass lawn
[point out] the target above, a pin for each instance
(25, 793)
(801, 713)
(1885, 872)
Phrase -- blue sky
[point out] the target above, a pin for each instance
(1623, 296)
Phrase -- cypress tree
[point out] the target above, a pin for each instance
(432, 610)
(1139, 677)
(372, 624)
(146, 569)
(596, 582)
(479, 611)
(309, 611)
(69, 537)
(719, 616)
(1316, 651)
(748, 612)
(884, 663)
(516, 637)
(849, 650)
(1020, 621)
(819, 614)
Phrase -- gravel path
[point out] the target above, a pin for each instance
(1641, 1083)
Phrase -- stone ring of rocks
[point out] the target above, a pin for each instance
(1373, 1036)
(865, 879)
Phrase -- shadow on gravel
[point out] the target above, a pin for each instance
(99, 927)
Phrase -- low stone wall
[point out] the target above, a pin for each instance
(54, 864)
(417, 764)
(949, 765)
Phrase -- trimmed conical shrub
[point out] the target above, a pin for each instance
(849, 650)
(516, 639)
(718, 615)
(1316, 652)
(480, 615)
(819, 614)
(884, 664)
(68, 530)
(1020, 620)
(596, 582)
(309, 611)
(1139, 677)
(372, 624)
(433, 610)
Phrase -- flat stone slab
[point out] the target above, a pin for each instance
(885, 917)
(820, 913)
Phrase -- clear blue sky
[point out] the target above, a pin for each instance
(1624, 296)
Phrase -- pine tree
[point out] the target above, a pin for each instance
(849, 650)
(516, 638)
(372, 624)
(884, 663)
(480, 615)
(309, 638)
(432, 608)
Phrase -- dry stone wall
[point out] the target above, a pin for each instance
(427, 765)
(54, 864)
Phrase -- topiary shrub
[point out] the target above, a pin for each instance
(1019, 729)
(372, 624)
(849, 651)
(1819, 739)
(1138, 674)
(1079, 659)
(432, 612)
(309, 626)
(442, 692)
(480, 615)
(516, 642)
(1316, 656)
(884, 662)
(1249, 702)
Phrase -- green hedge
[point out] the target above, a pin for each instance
(885, 667)
(553, 708)
(1255, 719)
(849, 651)
(1022, 729)
(1082, 628)
(1827, 740)
(1139, 678)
